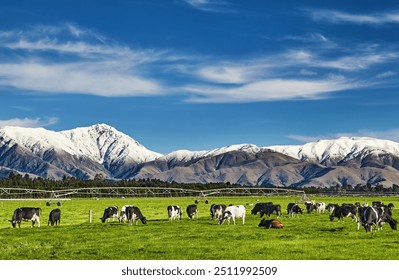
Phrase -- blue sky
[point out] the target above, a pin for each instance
(201, 74)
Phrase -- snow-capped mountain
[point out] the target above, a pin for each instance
(343, 148)
(81, 152)
(87, 151)
(323, 163)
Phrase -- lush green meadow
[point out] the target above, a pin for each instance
(311, 236)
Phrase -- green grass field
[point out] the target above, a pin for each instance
(309, 237)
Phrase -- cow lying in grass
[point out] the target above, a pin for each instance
(270, 224)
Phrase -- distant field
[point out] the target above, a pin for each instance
(311, 236)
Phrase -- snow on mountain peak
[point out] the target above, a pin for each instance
(186, 155)
(37, 140)
(338, 148)
(103, 142)
(250, 148)
(99, 142)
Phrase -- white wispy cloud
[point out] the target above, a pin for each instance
(29, 122)
(340, 17)
(70, 59)
(360, 59)
(386, 74)
(216, 6)
(233, 72)
(271, 90)
(311, 37)
(97, 78)
(84, 64)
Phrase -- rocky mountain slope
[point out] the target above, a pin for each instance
(85, 152)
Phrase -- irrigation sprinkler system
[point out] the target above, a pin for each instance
(122, 192)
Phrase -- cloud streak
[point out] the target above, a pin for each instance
(83, 63)
(29, 122)
(339, 17)
(214, 6)
(70, 59)
(271, 90)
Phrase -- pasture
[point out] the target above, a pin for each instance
(309, 237)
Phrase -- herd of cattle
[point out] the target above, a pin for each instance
(370, 217)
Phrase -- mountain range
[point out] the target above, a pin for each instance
(101, 149)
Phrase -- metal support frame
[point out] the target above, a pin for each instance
(10, 193)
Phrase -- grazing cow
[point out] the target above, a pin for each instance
(330, 207)
(259, 207)
(54, 217)
(310, 206)
(26, 214)
(343, 211)
(192, 211)
(294, 210)
(174, 212)
(268, 224)
(289, 207)
(320, 207)
(374, 217)
(110, 212)
(133, 214)
(377, 203)
(233, 212)
(271, 209)
(123, 217)
(217, 211)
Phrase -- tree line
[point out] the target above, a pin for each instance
(15, 180)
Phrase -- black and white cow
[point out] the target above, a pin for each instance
(377, 203)
(192, 211)
(344, 211)
(330, 207)
(320, 207)
(26, 214)
(374, 217)
(122, 216)
(259, 207)
(233, 212)
(54, 217)
(271, 209)
(310, 205)
(294, 210)
(133, 215)
(217, 211)
(110, 212)
(268, 224)
(174, 212)
(289, 207)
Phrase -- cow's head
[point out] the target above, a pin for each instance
(332, 218)
(13, 222)
(299, 210)
(309, 207)
(143, 220)
(224, 216)
(393, 224)
(330, 207)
